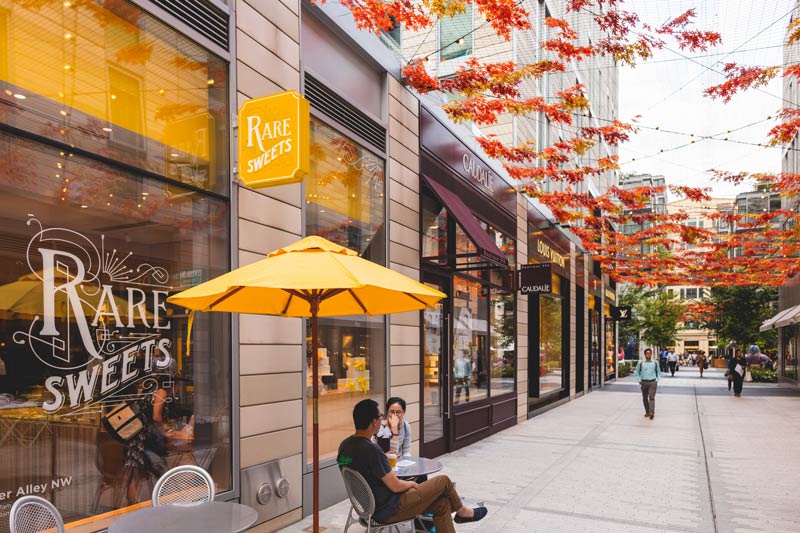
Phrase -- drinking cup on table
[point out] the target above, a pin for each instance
(392, 459)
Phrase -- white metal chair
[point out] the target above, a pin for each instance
(32, 514)
(363, 504)
(184, 485)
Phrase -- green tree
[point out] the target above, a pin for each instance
(738, 313)
(658, 314)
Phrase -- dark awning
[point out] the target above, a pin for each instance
(488, 254)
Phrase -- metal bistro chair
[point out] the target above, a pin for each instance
(184, 485)
(363, 503)
(32, 514)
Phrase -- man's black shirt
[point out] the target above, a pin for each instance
(365, 457)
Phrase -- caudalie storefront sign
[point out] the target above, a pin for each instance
(274, 140)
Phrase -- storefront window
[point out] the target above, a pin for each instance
(551, 344)
(108, 78)
(502, 345)
(470, 330)
(434, 230)
(610, 343)
(90, 255)
(789, 364)
(345, 204)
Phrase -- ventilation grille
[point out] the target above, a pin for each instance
(330, 103)
(211, 23)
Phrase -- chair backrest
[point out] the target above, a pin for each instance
(184, 485)
(32, 514)
(359, 492)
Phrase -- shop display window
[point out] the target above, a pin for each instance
(610, 344)
(551, 342)
(345, 203)
(90, 254)
(112, 80)
(502, 344)
(434, 230)
(470, 335)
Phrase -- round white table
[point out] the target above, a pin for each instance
(421, 466)
(213, 517)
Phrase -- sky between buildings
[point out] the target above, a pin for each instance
(668, 94)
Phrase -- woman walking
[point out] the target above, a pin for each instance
(737, 366)
(701, 361)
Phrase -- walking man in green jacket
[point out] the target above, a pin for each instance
(647, 374)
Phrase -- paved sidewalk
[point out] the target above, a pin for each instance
(597, 465)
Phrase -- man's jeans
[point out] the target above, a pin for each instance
(436, 496)
(649, 395)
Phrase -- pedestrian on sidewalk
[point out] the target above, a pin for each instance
(701, 361)
(647, 375)
(662, 360)
(672, 361)
(737, 366)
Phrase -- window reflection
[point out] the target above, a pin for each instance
(111, 79)
(502, 347)
(114, 339)
(470, 329)
(434, 230)
(345, 203)
(550, 343)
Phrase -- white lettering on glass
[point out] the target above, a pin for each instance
(105, 298)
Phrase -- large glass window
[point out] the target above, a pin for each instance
(455, 35)
(470, 332)
(108, 78)
(551, 342)
(434, 230)
(345, 204)
(610, 343)
(90, 253)
(502, 345)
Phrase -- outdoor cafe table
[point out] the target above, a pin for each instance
(421, 466)
(211, 517)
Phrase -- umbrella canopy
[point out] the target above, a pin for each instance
(310, 278)
(281, 283)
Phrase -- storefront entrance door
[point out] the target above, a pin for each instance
(435, 364)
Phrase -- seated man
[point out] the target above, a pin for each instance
(396, 499)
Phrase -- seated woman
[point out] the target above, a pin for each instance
(396, 428)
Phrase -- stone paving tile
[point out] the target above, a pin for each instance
(597, 465)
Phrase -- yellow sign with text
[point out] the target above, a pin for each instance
(274, 140)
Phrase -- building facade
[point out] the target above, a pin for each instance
(788, 316)
(126, 112)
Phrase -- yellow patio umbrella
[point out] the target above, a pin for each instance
(310, 278)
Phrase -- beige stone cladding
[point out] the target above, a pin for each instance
(404, 328)
(270, 350)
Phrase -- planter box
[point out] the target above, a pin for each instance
(720, 363)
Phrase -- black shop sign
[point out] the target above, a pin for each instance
(536, 279)
(621, 313)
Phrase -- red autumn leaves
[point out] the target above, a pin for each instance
(661, 248)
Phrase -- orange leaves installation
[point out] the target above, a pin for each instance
(665, 248)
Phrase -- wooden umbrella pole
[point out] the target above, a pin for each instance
(314, 302)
